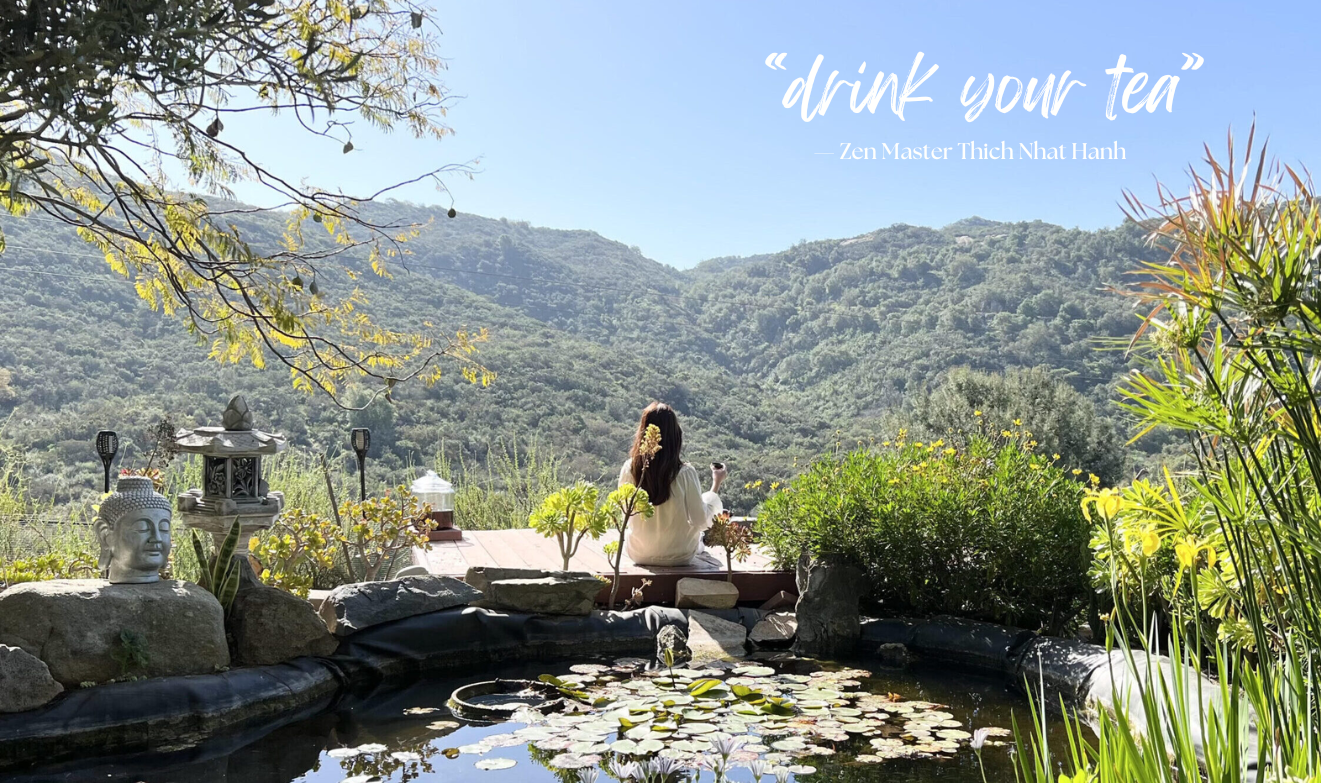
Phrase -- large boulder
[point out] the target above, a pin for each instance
(712, 638)
(269, 626)
(88, 630)
(693, 593)
(25, 682)
(353, 607)
(562, 592)
(828, 620)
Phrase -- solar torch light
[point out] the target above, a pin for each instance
(361, 438)
(107, 446)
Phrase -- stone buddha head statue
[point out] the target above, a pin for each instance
(133, 527)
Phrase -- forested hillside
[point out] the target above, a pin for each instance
(766, 356)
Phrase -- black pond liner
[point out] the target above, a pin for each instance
(202, 718)
(147, 716)
(496, 701)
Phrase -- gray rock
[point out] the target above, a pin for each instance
(711, 638)
(354, 607)
(827, 610)
(775, 630)
(481, 577)
(781, 600)
(562, 592)
(672, 639)
(25, 682)
(691, 593)
(88, 630)
(894, 655)
(413, 570)
(269, 626)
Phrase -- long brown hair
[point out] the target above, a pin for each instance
(665, 465)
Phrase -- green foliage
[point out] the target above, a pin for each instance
(621, 505)
(756, 401)
(82, 75)
(734, 538)
(219, 572)
(378, 530)
(1230, 341)
(1061, 419)
(569, 516)
(131, 652)
(991, 531)
(295, 550)
(52, 565)
(504, 486)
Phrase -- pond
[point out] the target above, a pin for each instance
(808, 720)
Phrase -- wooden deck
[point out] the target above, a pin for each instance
(756, 578)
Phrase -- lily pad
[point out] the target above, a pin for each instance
(443, 725)
(494, 764)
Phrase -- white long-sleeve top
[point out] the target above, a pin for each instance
(673, 534)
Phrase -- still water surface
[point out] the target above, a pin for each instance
(403, 732)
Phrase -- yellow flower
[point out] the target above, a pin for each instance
(1150, 541)
(1186, 550)
(1004, 433)
(976, 413)
(1107, 503)
(950, 451)
(1035, 466)
(894, 481)
(1018, 422)
(886, 443)
(1054, 456)
(1094, 479)
(918, 444)
(775, 485)
(1077, 471)
(939, 443)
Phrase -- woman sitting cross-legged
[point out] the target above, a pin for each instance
(673, 534)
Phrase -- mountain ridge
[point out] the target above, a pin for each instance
(765, 356)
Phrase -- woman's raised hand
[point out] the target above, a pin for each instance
(718, 474)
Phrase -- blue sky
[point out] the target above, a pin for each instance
(659, 125)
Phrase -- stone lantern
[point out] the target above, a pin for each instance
(232, 485)
(439, 493)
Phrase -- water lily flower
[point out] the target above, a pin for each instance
(782, 774)
(624, 770)
(758, 768)
(660, 768)
(727, 745)
(979, 738)
(588, 775)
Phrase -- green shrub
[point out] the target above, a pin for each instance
(990, 530)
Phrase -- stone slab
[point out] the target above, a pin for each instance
(693, 593)
(559, 593)
(711, 638)
(353, 607)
